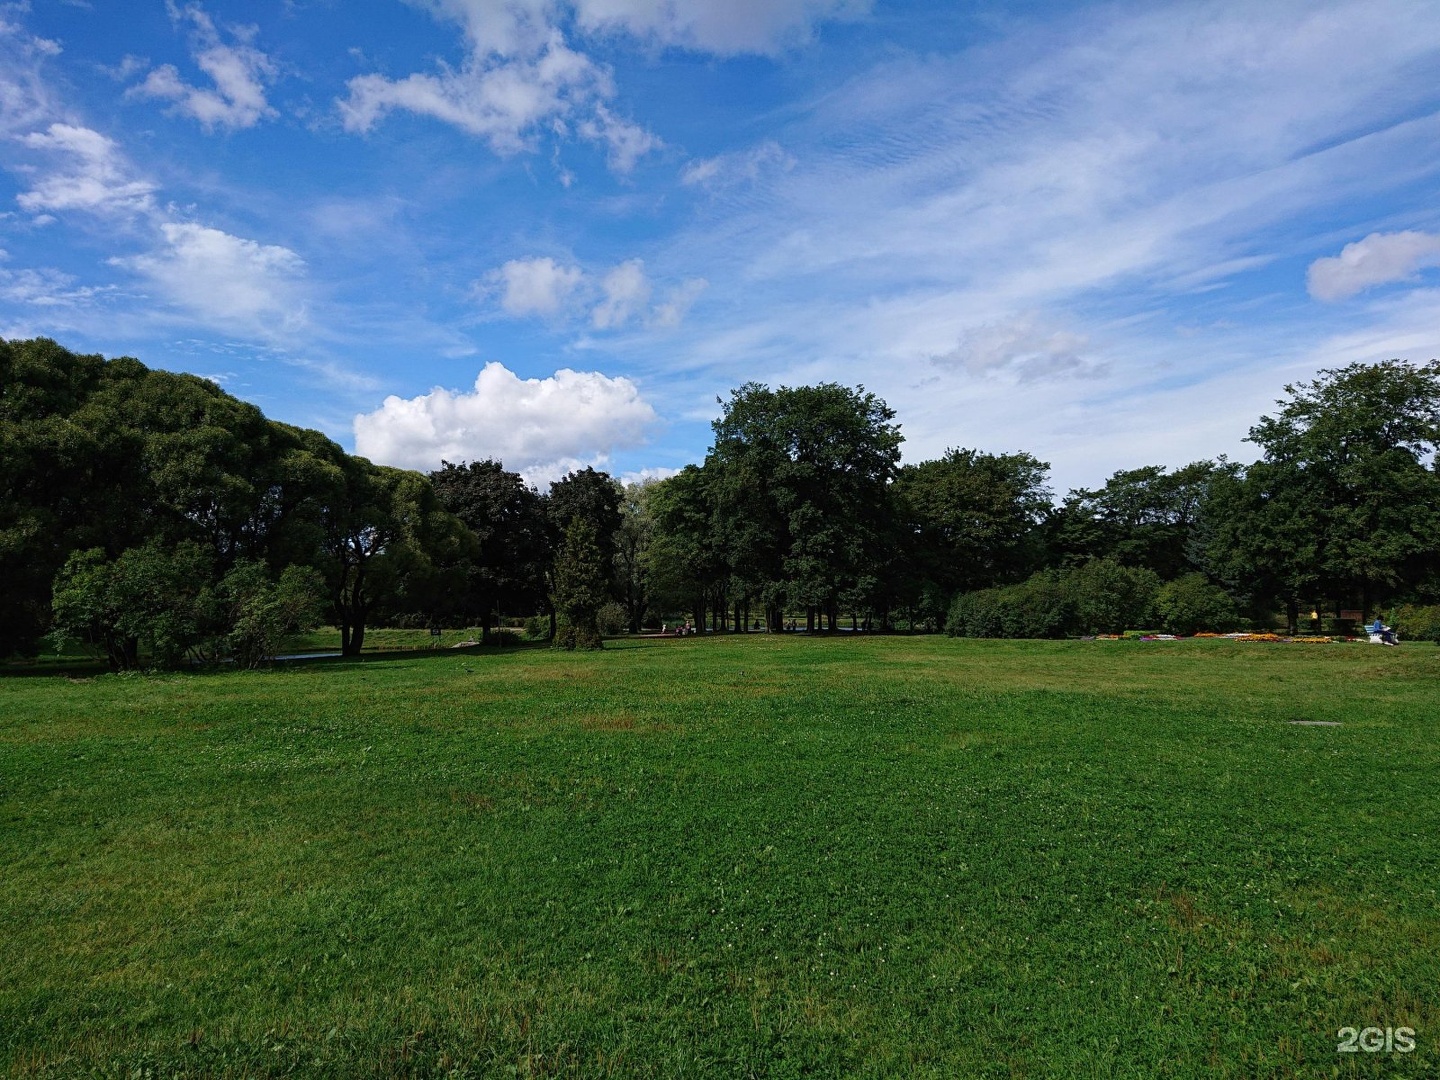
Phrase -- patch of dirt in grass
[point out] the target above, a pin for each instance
(474, 800)
(1186, 915)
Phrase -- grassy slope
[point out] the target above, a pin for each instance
(870, 857)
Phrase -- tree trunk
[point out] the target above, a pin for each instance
(1292, 615)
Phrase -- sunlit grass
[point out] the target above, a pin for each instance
(777, 857)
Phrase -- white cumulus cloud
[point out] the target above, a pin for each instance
(239, 71)
(541, 428)
(627, 291)
(1377, 260)
(501, 99)
(519, 78)
(225, 280)
(541, 286)
(534, 286)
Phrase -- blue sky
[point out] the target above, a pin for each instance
(554, 231)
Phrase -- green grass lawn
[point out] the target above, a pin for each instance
(767, 856)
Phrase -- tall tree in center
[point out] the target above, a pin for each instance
(803, 475)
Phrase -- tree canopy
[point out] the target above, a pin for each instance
(162, 520)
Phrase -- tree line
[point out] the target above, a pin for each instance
(164, 521)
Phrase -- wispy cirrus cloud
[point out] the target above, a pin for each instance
(740, 166)
(718, 27)
(225, 281)
(1075, 196)
(26, 100)
(92, 175)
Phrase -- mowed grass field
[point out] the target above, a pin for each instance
(763, 856)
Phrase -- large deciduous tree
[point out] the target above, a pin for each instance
(1344, 506)
(388, 539)
(1141, 517)
(971, 521)
(802, 485)
(514, 543)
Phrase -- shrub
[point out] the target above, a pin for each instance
(1413, 622)
(261, 613)
(1190, 604)
(537, 628)
(1036, 608)
(1100, 597)
(1110, 598)
(154, 596)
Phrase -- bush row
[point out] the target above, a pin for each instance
(1099, 597)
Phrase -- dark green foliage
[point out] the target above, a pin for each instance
(1344, 506)
(800, 507)
(972, 521)
(152, 599)
(633, 562)
(509, 521)
(1191, 604)
(1416, 622)
(1110, 598)
(581, 587)
(259, 613)
(1099, 597)
(591, 496)
(111, 456)
(160, 607)
(390, 544)
(1039, 607)
(1142, 517)
(797, 488)
(613, 619)
(685, 563)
